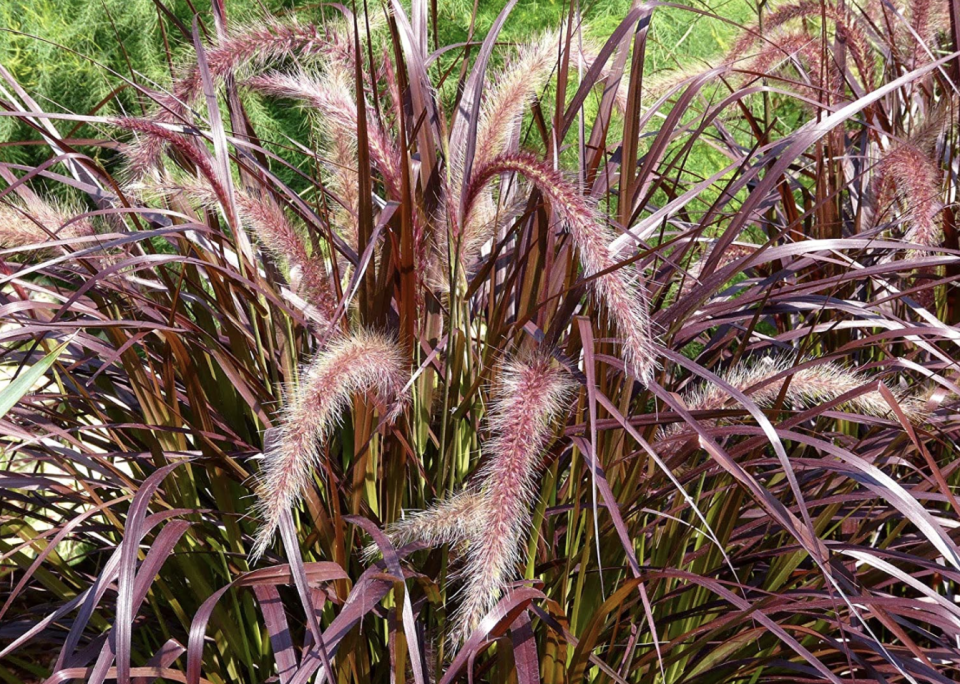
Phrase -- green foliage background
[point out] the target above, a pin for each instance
(73, 55)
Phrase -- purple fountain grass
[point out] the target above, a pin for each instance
(528, 398)
(341, 158)
(779, 50)
(617, 286)
(250, 48)
(36, 221)
(308, 274)
(909, 175)
(793, 47)
(363, 361)
(509, 94)
(927, 18)
(809, 385)
(506, 97)
(333, 97)
(491, 520)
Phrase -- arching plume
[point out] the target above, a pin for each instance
(361, 362)
(808, 386)
(491, 519)
(911, 176)
(334, 99)
(450, 521)
(268, 223)
(617, 287)
(528, 398)
(845, 23)
(505, 99)
(36, 221)
(246, 50)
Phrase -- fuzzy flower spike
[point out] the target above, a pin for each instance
(33, 222)
(616, 286)
(490, 520)
(529, 397)
(809, 386)
(267, 222)
(362, 361)
(244, 52)
(450, 521)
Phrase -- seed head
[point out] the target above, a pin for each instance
(528, 398)
(35, 221)
(809, 386)
(619, 290)
(361, 362)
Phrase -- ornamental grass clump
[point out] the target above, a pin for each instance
(549, 362)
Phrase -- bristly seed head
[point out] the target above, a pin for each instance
(809, 385)
(270, 226)
(528, 398)
(35, 221)
(617, 286)
(363, 361)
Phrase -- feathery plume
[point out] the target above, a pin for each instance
(333, 97)
(619, 290)
(34, 221)
(451, 521)
(504, 104)
(779, 45)
(797, 45)
(845, 23)
(927, 18)
(911, 176)
(529, 396)
(341, 157)
(505, 99)
(809, 386)
(249, 49)
(501, 115)
(181, 143)
(491, 520)
(269, 223)
(362, 361)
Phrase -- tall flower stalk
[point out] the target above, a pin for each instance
(528, 399)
